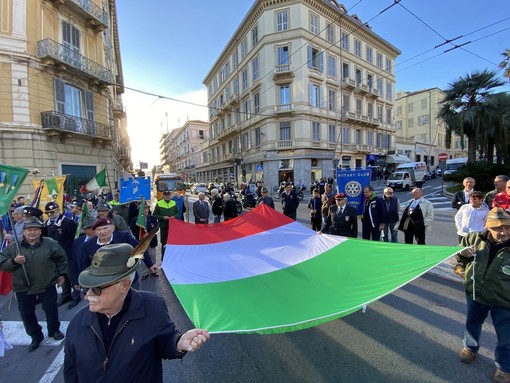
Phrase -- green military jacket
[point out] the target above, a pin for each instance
(491, 282)
(45, 261)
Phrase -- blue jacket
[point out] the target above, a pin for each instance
(144, 336)
(374, 213)
(392, 213)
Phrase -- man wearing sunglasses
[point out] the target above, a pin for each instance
(126, 333)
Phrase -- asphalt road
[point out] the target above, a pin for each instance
(412, 335)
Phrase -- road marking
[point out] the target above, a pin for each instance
(15, 333)
(53, 369)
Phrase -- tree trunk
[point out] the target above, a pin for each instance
(471, 149)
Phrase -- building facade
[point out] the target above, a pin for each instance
(420, 134)
(61, 91)
(301, 88)
(181, 148)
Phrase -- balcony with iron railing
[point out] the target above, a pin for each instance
(95, 16)
(65, 125)
(52, 52)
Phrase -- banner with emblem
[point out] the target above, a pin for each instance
(51, 190)
(134, 189)
(11, 178)
(352, 182)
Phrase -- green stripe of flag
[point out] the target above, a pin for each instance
(331, 285)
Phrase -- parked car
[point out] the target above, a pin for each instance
(199, 188)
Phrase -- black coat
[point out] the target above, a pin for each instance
(63, 231)
(345, 224)
(144, 337)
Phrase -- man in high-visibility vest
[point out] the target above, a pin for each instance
(165, 209)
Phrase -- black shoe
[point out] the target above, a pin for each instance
(63, 300)
(57, 335)
(35, 343)
(74, 303)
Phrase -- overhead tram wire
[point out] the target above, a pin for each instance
(379, 72)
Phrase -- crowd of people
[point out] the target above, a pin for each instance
(76, 251)
(88, 248)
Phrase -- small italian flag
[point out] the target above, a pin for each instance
(265, 273)
(97, 182)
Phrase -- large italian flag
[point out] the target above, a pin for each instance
(264, 273)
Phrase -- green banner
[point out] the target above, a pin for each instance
(11, 178)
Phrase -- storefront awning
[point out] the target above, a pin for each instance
(397, 159)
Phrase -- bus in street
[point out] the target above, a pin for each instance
(170, 181)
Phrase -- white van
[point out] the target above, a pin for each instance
(454, 164)
(407, 175)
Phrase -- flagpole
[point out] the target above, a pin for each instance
(108, 178)
(18, 248)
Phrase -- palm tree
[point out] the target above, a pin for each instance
(505, 64)
(497, 118)
(464, 107)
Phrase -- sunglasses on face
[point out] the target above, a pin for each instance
(99, 289)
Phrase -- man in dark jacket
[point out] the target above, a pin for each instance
(392, 205)
(290, 202)
(217, 205)
(462, 196)
(486, 259)
(342, 219)
(125, 333)
(36, 267)
(374, 215)
(79, 263)
(104, 230)
(63, 230)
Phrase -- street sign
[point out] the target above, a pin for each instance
(442, 156)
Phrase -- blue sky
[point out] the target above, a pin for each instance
(168, 48)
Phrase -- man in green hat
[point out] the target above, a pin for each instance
(486, 258)
(126, 333)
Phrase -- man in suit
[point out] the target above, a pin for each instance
(417, 217)
(462, 196)
(342, 219)
(201, 210)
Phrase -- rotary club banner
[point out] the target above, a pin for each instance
(352, 182)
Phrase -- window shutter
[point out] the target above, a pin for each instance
(310, 93)
(60, 98)
(322, 99)
(321, 61)
(310, 59)
(89, 105)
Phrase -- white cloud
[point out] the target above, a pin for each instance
(148, 117)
